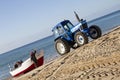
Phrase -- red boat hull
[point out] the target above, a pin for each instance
(27, 66)
(40, 62)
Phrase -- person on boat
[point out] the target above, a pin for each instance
(18, 64)
(33, 57)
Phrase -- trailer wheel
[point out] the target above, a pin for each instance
(95, 32)
(62, 46)
(81, 38)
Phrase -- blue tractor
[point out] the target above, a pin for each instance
(68, 36)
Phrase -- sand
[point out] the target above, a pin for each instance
(97, 60)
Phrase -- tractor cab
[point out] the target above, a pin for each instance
(63, 30)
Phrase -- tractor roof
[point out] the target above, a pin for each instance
(62, 22)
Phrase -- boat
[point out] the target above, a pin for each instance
(28, 65)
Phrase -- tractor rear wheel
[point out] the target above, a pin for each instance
(95, 32)
(62, 46)
(81, 38)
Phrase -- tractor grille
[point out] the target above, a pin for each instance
(84, 26)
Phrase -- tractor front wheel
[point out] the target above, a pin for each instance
(62, 46)
(81, 38)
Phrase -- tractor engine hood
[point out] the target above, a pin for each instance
(76, 27)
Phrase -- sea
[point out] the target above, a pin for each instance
(106, 23)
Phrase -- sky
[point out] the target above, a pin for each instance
(26, 21)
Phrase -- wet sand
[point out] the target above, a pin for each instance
(97, 60)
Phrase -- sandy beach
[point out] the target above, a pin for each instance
(97, 60)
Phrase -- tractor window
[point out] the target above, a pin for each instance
(56, 33)
(69, 25)
(66, 28)
(60, 30)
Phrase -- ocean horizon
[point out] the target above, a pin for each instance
(105, 22)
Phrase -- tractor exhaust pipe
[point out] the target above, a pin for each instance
(77, 17)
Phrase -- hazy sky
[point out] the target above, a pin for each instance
(25, 21)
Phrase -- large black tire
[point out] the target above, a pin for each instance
(62, 46)
(80, 38)
(95, 32)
